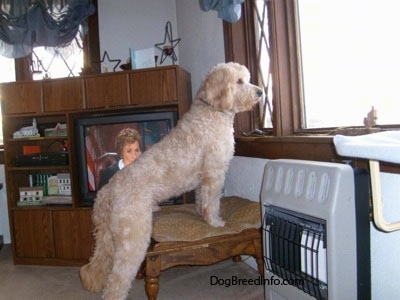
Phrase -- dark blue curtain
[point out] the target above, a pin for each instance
(25, 24)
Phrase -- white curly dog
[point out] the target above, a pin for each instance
(193, 156)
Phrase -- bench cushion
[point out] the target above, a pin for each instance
(182, 222)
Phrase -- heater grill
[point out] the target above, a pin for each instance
(315, 229)
(295, 250)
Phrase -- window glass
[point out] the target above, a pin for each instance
(7, 74)
(57, 62)
(349, 61)
(263, 59)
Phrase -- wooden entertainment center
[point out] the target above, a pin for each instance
(62, 234)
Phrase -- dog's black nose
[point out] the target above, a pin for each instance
(259, 93)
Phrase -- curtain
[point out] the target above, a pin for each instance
(25, 24)
(228, 10)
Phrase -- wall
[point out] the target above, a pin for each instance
(137, 24)
(125, 24)
(202, 44)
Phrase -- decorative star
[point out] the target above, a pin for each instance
(167, 47)
(105, 55)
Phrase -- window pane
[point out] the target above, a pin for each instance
(7, 74)
(350, 61)
(57, 62)
(263, 58)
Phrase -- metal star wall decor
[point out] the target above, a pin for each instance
(105, 55)
(168, 45)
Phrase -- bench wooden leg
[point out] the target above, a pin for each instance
(151, 287)
(259, 256)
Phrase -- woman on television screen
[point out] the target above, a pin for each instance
(128, 149)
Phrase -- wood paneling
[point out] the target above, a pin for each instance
(33, 233)
(308, 148)
(61, 95)
(154, 85)
(107, 91)
(74, 229)
(20, 98)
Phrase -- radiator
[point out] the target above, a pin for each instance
(315, 231)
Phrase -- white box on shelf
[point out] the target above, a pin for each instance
(141, 59)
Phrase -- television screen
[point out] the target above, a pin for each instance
(96, 147)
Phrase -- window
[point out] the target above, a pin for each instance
(57, 62)
(349, 61)
(47, 62)
(328, 62)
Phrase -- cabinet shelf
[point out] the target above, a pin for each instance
(62, 207)
(35, 139)
(40, 168)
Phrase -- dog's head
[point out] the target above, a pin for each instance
(227, 88)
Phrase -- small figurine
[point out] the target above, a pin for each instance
(370, 120)
(29, 131)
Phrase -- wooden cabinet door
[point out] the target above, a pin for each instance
(25, 97)
(107, 91)
(73, 232)
(153, 86)
(33, 233)
(61, 95)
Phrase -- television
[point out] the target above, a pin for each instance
(95, 143)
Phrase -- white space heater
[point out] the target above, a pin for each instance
(315, 231)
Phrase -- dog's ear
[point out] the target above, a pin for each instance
(222, 101)
(219, 90)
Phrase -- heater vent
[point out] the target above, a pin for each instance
(279, 180)
(311, 185)
(302, 184)
(270, 179)
(299, 183)
(323, 194)
(289, 182)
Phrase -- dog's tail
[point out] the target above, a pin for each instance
(94, 274)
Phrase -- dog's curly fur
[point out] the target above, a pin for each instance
(193, 156)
